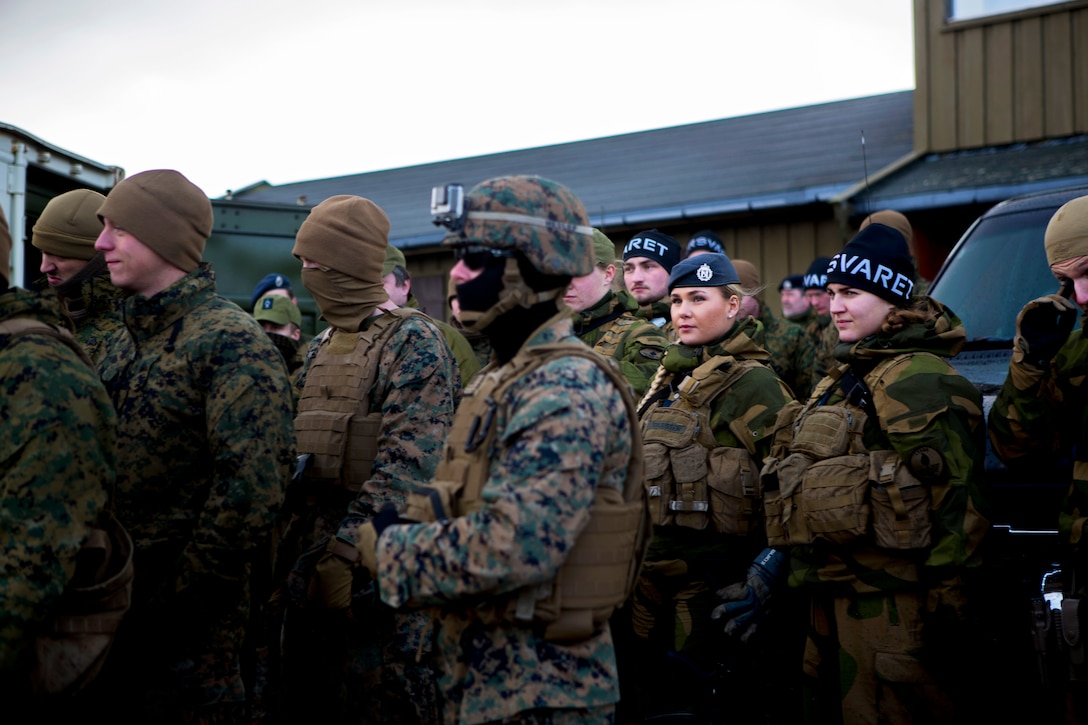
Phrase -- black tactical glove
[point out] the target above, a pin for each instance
(744, 604)
(1042, 327)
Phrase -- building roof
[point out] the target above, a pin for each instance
(982, 175)
(782, 158)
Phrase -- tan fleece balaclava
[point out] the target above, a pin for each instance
(346, 236)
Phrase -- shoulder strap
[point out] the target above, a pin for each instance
(22, 325)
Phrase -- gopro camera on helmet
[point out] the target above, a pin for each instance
(448, 206)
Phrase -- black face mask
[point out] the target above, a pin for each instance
(482, 293)
(286, 345)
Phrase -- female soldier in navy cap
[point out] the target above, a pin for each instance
(706, 423)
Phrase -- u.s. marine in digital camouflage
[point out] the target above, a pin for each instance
(57, 460)
(378, 394)
(607, 321)
(65, 233)
(557, 435)
(204, 411)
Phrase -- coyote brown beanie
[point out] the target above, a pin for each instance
(347, 237)
(1067, 232)
(749, 278)
(893, 219)
(165, 211)
(69, 225)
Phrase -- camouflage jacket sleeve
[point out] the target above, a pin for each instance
(417, 392)
(250, 439)
(1030, 416)
(932, 417)
(57, 462)
(558, 429)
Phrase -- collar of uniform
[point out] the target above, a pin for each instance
(147, 316)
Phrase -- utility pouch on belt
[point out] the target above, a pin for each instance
(76, 638)
(785, 521)
(900, 504)
(734, 491)
(676, 469)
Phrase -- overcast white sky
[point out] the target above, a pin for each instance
(230, 92)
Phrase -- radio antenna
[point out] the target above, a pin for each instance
(865, 167)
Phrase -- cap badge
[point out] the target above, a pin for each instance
(704, 273)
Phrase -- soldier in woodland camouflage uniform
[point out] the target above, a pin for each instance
(706, 424)
(648, 258)
(551, 442)
(57, 457)
(1041, 412)
(204, 413)
(606, 321)
(795, 306)
(378, 397)
(792, 353)
(65, 233)
(874, 490)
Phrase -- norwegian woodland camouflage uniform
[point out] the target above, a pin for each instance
(370, 665)
(553, 438)
(882, 520)
(659, 314)
(57, 458)
(611, 328)
(1040, 418)
(695, 554)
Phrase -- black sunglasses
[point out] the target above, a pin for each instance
(478, 257)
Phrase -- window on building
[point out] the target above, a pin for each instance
(970, 9)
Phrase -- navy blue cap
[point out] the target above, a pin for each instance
(794, 281)
(704, 270)
(269, 282)
(705, 240)
(816, 275)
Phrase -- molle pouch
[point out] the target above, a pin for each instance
(782, 433)
(658, 481)
(835, 498)
(325, 435)
(900, 504)
(690, 504)
(785, 521)
(734, 491)
(825, 432)
(664, 430)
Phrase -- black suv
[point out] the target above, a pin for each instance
(997, 266)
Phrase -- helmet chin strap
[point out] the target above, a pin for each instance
(514, 293)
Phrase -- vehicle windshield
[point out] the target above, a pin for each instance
(1000, 267)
